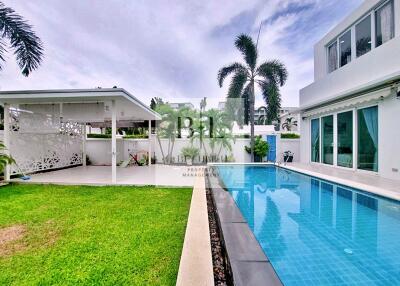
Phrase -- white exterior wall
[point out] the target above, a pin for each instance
(388, 138)
(98, 150)
(371, 69)
(320, 59)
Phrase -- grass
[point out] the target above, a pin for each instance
(93, 235)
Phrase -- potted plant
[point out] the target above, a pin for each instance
(189, 153)
(261, 149)
(288, 156)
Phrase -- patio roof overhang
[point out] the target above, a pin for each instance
(128, 107)
(83, 106)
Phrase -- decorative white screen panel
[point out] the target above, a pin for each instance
(40, 142)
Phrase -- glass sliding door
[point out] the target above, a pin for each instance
(327, 139)
(345, 139)
(315, 145)
(368, 138)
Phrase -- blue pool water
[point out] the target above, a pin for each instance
(315, 232)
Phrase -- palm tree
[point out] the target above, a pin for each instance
(268, 76)
(289, 123)
(5, 159)
(27, 49)
(27, 46)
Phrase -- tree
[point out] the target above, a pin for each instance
(27, 46)
(5, 159)
(27, 49)
(155, 101)
(289, 123)
(268, 76)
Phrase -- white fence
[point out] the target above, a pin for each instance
(98, 150)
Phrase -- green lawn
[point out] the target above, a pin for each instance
(93, 235)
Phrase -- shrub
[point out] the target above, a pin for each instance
(136, 136)
(261, 147)
(190, 152)
(99, 136)
(290, 136)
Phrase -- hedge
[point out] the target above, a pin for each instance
(290, 136)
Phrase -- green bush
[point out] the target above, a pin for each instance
(290, 136)
(104, 136)
(136, 136)
(108, 136)
(261, 147)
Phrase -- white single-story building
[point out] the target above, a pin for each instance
(350, 113)
(46, 129)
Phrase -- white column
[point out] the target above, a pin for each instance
(149, 142)
(84, 145)
(114, 142)
(335, 139)
(6, 138)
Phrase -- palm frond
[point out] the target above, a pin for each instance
(273, 71)
(272, 99)
(27, 46)
(227, 70)
(246, 46)
(237, 84)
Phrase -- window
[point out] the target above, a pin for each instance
(363, 36)
(384, 23)
(315, 140)
(345, 48)
(339, 53)
(368, 138)
(332, 57)
(327, 140)
(345, 139)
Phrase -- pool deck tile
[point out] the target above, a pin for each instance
(254, 273)
(242, 243)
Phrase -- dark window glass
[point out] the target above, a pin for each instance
(315, 140)
(345, 139)
(327, 140)
(363, 36)
(368, 138)
(345, 48)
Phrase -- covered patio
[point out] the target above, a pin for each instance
(45, 130)
(157, 174)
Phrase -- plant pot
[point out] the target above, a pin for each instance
(257, 158)
(288, 159)
(189, 161)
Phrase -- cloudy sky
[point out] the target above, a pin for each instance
(170, 49)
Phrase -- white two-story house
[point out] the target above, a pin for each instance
(350, 114)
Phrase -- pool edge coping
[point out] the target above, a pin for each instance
(382, 192)
(257, 260)
(195, 265)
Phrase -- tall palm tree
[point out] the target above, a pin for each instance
(268, 76)
(27, 46)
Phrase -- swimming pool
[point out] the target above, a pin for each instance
(316, 232)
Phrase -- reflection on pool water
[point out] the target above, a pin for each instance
(315, 232)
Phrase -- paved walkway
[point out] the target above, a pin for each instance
(162, 175)
(359, 180)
